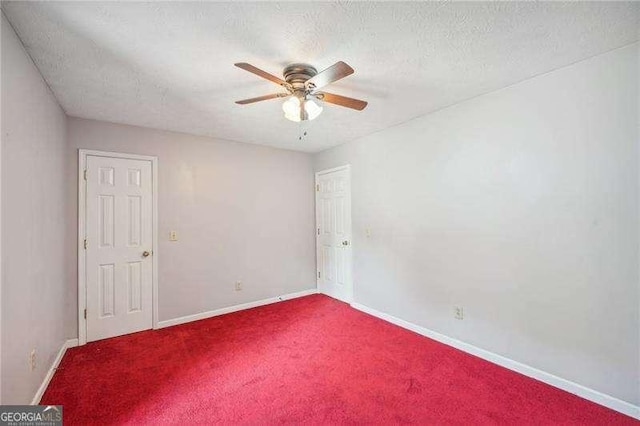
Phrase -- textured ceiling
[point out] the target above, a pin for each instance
(170, 65)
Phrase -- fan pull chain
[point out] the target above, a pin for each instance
(303, 128)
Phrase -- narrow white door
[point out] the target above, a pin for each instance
(119, 232)
(333, 220)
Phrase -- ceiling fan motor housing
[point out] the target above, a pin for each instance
(297, 74)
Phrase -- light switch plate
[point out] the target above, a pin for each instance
(458, 312)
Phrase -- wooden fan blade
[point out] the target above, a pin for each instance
(341, 100)
(262, 98)
(259, 72)
(334, 73)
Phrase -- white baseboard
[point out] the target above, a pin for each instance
(548, 378)
(235, 308)
(56, 362)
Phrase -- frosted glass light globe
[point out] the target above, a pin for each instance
(313, 109)
(291, 108)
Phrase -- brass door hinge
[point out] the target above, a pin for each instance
(85, 314)
(85, 174)
(318, 231)
(318, 274)
(85, 244)
(317, 187)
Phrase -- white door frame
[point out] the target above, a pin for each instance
(82, 205)
(347, 168)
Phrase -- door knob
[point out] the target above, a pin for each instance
(345, 243)
(145, 253)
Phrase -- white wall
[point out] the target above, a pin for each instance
(33, 222)
(521, 206)
(242, 212)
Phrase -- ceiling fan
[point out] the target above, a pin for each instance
(302, 82)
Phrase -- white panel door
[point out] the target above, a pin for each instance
(333, 230)
(119, 232)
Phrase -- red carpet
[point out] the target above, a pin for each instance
(312, 360)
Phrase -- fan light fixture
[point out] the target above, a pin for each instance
(303, 85)
(294, 112)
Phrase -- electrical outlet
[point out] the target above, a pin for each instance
(32, 360)
(368, 232)
(173, 236)
(238, 285)
(458, 312)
